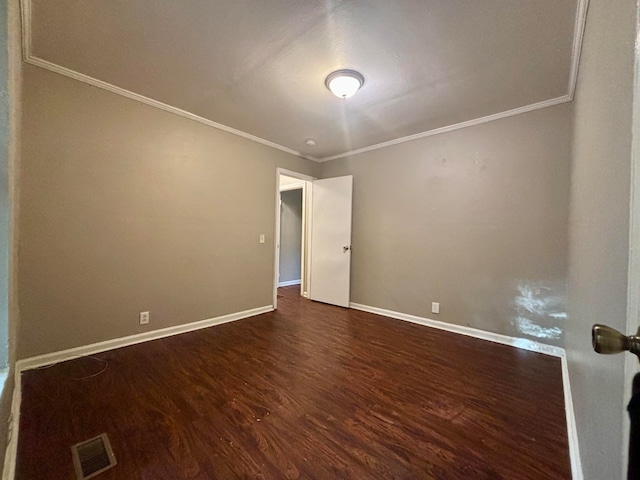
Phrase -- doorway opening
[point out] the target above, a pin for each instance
(291, 258)
(293, 228)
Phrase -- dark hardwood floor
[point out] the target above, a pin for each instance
(311, 392)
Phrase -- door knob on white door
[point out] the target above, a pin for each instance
(330, 271)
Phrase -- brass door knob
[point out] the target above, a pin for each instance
(607, 340)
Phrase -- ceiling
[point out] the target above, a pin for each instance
(257, 67)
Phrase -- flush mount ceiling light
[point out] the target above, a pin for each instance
(344, 83)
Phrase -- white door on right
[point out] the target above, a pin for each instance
(330, 276)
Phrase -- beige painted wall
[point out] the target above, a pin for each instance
(599, 230)
(475, 219)
(127, 208)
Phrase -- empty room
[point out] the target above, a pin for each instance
(319, 239)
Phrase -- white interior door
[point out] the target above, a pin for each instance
(330, 277)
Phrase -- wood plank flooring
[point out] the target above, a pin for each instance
(310, 391)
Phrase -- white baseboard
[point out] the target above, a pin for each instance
(11, 453)
(55, 357)
(8, 472)
(470, 332)
(572, 430)
(572, 433)
(288, 283)
(47, 359)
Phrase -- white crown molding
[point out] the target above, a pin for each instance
(580, 20)
(38, 62)
(470, 123)
(54, 67)
(578, 36)
(25, 10)
(572, 432)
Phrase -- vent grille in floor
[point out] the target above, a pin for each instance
(92, 457)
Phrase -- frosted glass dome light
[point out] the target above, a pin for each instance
(344, 83)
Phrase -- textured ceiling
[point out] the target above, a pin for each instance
(259, 66)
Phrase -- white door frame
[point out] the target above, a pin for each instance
(633, 287)
(306, 225)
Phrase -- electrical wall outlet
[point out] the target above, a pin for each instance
(144, 318)
(435, 307)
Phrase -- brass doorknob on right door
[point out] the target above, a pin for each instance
(607, 340)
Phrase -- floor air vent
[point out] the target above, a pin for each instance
(93, 457)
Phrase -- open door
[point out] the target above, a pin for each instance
(330, 277)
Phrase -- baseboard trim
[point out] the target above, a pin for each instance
(11, 453)
(289, 283)
(468, 331)
(55, 357)
(530, 345)
(9, 468)
(47, 359)
(572, 430)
